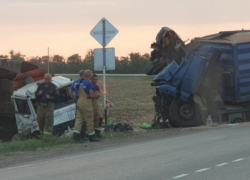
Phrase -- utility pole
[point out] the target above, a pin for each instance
(48, 59)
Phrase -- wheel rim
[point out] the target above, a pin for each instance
(187, 112)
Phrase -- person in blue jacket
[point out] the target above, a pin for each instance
(74, 90)
(84, 110)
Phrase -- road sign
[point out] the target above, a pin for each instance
(110, 32)
(104, 32)
(110, 59)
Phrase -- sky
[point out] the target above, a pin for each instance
(31, 26)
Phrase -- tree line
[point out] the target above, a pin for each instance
(133, 63)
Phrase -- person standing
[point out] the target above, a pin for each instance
(73, 92)
(47, 95)
(84, 110)
(97, 114)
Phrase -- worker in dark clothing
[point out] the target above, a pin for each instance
(97, 114)
(85, 109)
(74, 90)
(47, 95)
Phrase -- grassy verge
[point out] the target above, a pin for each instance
(33, 144)
(52, 142)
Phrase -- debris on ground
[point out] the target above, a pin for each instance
(121, 127)
(146, 126)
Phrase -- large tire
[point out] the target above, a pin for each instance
(184, 114)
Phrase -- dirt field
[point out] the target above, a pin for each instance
(132, 97)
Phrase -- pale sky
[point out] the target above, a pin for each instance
(31, 26)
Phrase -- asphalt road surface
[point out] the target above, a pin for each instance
(215, 154)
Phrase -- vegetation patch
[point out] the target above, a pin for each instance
(33, 144)
(8, 148)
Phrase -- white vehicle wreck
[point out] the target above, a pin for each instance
(18, 104)
(25, 104)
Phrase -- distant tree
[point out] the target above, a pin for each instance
(74, 59)
(89, 57)
(132, 63)
(16, 56)
(88, 60)
(122, 65)
(58, 59)
(45, 59)
(36, 60)
(4, 57)
(139, 63)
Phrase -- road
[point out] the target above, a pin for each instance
(214, 154)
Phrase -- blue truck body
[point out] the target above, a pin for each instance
(183, 79)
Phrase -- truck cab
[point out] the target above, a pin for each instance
(205, 77)
(26, 104)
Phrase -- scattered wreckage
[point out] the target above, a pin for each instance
(18, 104)
(208, 77)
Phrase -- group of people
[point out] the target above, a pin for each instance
(86, 93)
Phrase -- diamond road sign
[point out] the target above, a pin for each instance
(110, 32)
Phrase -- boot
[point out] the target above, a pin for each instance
(83, 133)
(84, 136)
(98, 133)
(77, 137)
(93, 138)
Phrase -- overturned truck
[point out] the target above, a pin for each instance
(18, 104)
(13, 75)
(208, 77)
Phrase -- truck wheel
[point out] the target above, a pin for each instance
(184, 114)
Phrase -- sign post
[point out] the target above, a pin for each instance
(104, 32)
(104, 71)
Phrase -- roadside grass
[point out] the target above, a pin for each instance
(8, 148)
(33, 144)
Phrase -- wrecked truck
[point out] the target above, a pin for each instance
(208, 77)
(13, 75)
(18, 82)
(26, 104)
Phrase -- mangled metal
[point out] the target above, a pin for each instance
(201, 78)
(168, 46)
(18, 104)
(13, 75)
(26, 104)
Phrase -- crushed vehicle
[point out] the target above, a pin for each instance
(208, 77)
(18, 104)
(13, 75)
(26, 104)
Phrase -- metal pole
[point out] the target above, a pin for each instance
(48, 59)
(104, 70)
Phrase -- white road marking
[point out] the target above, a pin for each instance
(237, 160)
(205, 169)
(201, 170)
(180, 176)
(222, 164)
